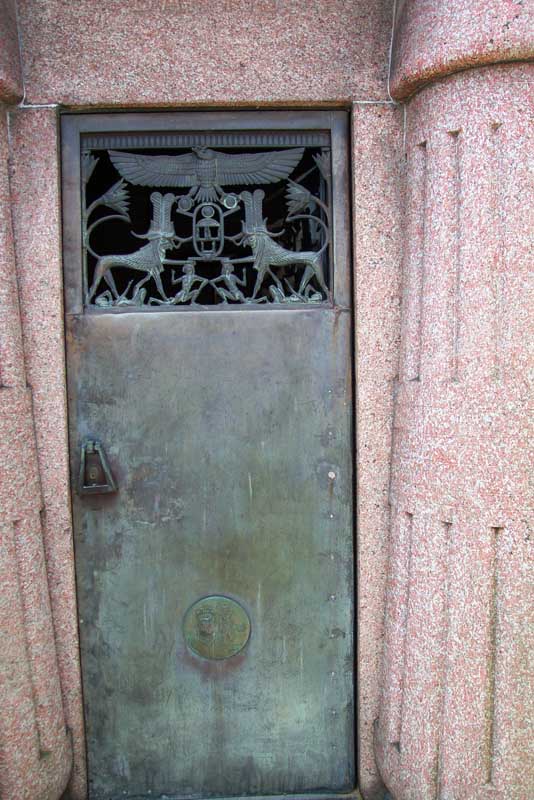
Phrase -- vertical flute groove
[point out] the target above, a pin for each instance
(421, 272)
(444, 665)
(398, 742)
(498, 271)
(492, 646)
(457, 258)
(16, 533)
(413, 257)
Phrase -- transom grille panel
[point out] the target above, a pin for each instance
(205, 220)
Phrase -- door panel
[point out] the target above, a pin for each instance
(215, 586)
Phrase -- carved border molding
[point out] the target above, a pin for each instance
(164, 140)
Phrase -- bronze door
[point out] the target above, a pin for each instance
(208, 320)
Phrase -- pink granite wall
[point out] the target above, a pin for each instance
(164, 52)
(231, 54)
(457, 713)
(377, 132)
(11, 89)
(35, 744)
(36, 219)
(378, 198)
(453, 720)
(433, 38)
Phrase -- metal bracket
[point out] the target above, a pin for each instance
(96, 476)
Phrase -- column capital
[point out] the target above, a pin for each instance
(11, 88)
(434, 38)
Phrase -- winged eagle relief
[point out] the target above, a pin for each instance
(224, 228)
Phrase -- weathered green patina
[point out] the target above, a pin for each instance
(215, 586)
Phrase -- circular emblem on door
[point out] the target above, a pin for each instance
(216, 627)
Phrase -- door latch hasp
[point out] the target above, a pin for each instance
(96, 476)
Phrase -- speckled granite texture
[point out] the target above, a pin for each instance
(36, 218)
(35, 746)
(377, 129)
(377, 257)
(457, 713)
(340, 72)
(457, 688)
(164, 52)
(11, 89)
(433, 38)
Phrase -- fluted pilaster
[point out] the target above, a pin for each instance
(35, 745)
(458, 692)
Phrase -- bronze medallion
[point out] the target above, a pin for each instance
(216, 627)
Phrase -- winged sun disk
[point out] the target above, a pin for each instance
(234, 169)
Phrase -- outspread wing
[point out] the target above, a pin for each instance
(241, 169)
(156, 170)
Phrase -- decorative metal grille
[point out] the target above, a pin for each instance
(170, 221)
